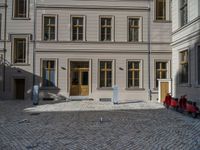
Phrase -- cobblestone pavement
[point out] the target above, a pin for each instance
(23, 126)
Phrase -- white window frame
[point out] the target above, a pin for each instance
(13, 48)
(168, 69)
(56, 26)
(113, 74)
(141, 74)
(112, 27)
(56, 72)
(168, 11)
(140, 28)
(0, 25)
(179, 56)
(84, 27)
(1, 59)
(27, 11)
(197, 65)
(180, 14)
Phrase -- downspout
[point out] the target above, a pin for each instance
(149, 52)
(4, 47)
(34, 44)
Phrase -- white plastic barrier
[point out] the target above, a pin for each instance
(115, 98)
(35, 95)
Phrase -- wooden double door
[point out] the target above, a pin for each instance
(79, 79)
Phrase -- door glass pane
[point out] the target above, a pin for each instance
(75, 78)
(84, 78)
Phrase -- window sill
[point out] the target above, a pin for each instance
(184, 85)
(134, 42)
(197, 85)
(112, 41)
(49, 41)
(135, 89)
(155, 89)
(162, 21)
(105, 88)
(48, 88)
(78, 41)
(20, 64)
(18, 18)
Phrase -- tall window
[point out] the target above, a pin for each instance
(183, 12)
(184, 67)
(134, 74)
(198, 63)
(49, 73)
(19, 50)
(20, 8)
(160, 9)
(77, 28)
(161, 71)
(49, 28)
(106, 29)
(1, 59)
(134, 29)
(0, 25)
(105, 73)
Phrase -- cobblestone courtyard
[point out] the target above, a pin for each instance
(56, 126)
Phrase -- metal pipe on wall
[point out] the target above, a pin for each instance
(34, 44)
(149, 52)
(5, 45)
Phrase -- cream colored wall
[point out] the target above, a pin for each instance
(120, 60)
(64, 49)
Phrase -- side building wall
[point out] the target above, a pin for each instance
(186, 37)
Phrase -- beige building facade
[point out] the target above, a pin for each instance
(82, 49)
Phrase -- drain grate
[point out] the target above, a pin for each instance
(34, 114)
(105, 99)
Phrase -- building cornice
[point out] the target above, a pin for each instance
(48, 6)
(104, 43)
(192, 36)
(2, 5)
(187, 25)
(98, 51)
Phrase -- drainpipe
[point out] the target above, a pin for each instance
(4, 48)
(34, 43)
(149, 52)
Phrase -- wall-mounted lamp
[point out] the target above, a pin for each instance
(120, 68)
(63, 68)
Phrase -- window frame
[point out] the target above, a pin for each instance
(165, 12)
(112, 27)
(56, 73)
(140, 74)
(56, 27)
(1, 59)
(27, 11)
(113, 74)
(84, 27)
(140, 29)
(181, 8)
(198, 65)
(168, 63)
(13, 37)
(179, 64)
(0, 25)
